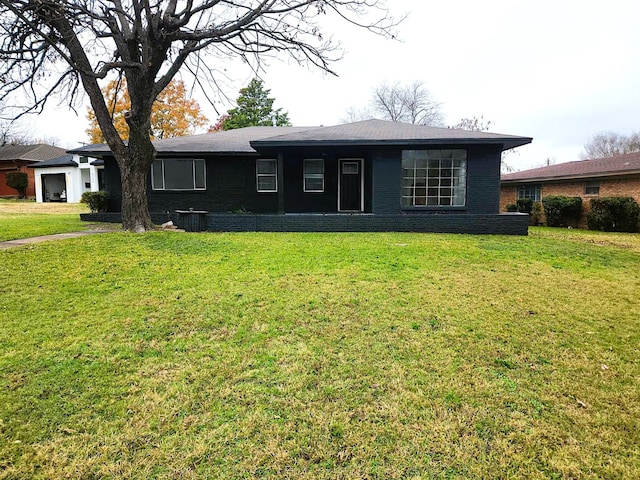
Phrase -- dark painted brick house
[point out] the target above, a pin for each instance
(366, 176)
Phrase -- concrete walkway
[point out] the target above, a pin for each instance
(45, 238)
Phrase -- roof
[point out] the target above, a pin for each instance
(62, 161)
(387, 133)
(30, 153)
(230, 142)
(599, 167)
(249, 140)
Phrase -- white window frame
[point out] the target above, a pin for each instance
(261, 175)
(536, 188)
(316, 176)
(193, 170)
(424, 178)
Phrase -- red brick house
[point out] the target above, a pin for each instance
(617, 176)
(16, 158)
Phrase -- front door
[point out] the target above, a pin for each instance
(350, 186)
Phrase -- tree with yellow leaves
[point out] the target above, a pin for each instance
(172, 114)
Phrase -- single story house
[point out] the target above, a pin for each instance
(67, 177)
(366, 176)
(16, 158)
(617, 176)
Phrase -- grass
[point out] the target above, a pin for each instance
(174, 355)
(22, 218)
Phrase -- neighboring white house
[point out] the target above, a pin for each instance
(66, 178)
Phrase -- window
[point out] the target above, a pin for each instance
(529, 191)
(434, 178)
(266, 175)
(178, 174)
(84, 160)
(350, 168)
(592, 188)
(314, 175)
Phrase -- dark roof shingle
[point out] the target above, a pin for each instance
(62, 161)
(30, 153)
(599, 167)
(383, 132)
(248, 140)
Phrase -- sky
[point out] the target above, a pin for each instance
(555, 70)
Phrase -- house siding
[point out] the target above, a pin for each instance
(386, 182)
(483, 180)
(231, 186)
(7, 191)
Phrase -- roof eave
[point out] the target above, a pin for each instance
(67, 164)
(572, 177)
(507, 143)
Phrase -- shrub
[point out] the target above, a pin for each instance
(511, 207)
(524, 205)
(19, 182)
(536, 214)
(562, 211)
(613, 214)
(97, 201)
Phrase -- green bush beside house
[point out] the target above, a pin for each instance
(96, 201)
(613, 214)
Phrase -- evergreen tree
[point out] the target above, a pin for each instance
(255, 108)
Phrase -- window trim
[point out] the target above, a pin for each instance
(462, 180)
(537, 196)
(595, 184)
(193, 170)
(273, 175)
(306, 175)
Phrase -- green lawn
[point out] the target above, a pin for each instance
(175, 355)
(21, 218)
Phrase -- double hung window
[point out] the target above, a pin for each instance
(266, 175)
(313, 172)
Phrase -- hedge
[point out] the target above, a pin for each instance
(613, 214)
(18, 181)
(97, 201)
(561, 211)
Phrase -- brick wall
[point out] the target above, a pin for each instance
(508, 196)
(500, 224)
(6, 191)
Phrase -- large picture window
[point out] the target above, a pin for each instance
(314, 175)
(266, 175)
(434, 178)
(532, 192)
(178, 174)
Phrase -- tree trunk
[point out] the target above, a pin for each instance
(135, 164)
(135, 209)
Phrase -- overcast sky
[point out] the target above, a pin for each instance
(555, 70)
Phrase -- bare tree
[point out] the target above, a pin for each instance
(50, 47)
(477, 124)
(610, 144)
(354, 114)
(412, 103)
(14, 132)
